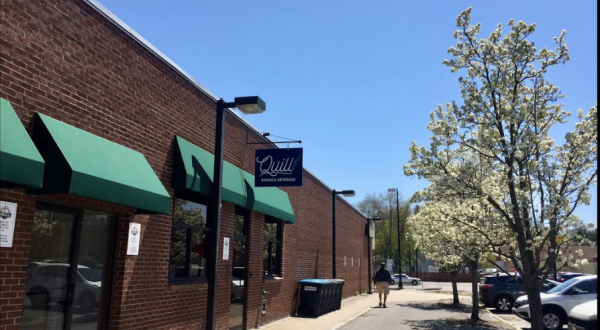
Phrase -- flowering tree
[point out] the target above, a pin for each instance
(455, 232)
(533, 184)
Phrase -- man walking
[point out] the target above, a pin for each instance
(382, 282)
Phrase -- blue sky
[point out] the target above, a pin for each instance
(354, 80)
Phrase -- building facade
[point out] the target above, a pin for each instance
(106, 171)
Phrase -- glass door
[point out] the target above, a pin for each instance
(238, 271)
(68, 250)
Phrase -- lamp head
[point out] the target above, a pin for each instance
(250, 104)
(347, 193)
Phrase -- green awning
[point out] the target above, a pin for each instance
(83, 164)
(20, 161)
(269, 200)
(193, 170)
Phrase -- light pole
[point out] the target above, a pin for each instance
(400, 286)
(347, 193)
(369, 250)
(247, 105)
(416, 262)
(409, 262)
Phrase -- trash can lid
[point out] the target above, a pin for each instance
(337, 280)
(314, 281)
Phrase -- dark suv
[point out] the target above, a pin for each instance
(501, 290)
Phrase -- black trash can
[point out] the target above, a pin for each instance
(338, 296)
(313, 296)
(327, 298)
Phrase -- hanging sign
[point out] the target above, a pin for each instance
(133, 243)
(8, 214)
(278, 167)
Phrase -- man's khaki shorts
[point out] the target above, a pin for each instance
(383, 287)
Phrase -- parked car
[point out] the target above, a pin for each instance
(487, 271)
(237, 288)
(502, 289)
(567, 276)
(584, 316)
(47, 283)
(405, 279)
(558, 302)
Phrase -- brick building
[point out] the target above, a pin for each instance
(105, 142)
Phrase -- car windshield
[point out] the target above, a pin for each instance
(563, 285)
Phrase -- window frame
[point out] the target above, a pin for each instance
(273, 271)
(197, 199)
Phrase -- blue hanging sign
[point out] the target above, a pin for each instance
(278, 167)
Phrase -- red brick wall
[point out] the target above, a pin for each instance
(13, 260)
(63, 59)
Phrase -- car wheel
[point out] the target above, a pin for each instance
(39, 298)
(87, 302)
(392, 282)
(552, 319)
(414, 282)
(503, 303)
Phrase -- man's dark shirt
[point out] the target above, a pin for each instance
(382, 275)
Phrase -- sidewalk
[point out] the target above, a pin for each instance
(358, 305)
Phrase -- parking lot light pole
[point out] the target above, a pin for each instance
(400, 286)
(369, 251)
(247, 105)
(347, 193)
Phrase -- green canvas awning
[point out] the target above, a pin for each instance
(193, 170)
(83, 164)
(20, 161)
(269, 200)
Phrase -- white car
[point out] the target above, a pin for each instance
(584, 316)
(558, 302)
(237, 288)
(406, 279)
(47, 283)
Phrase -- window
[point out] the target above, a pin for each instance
(272, 247)
(187, 260)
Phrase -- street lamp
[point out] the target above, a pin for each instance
(369, 250)
(409, 262)
(400, 286)
(347, 193)
(416, 262)
(247, 105)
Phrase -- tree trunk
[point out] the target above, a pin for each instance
(454, 288)
(474, 289)
(532, 289)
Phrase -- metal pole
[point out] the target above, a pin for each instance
(409, 262)
(400, 286)
(417, 262)
(215, 217)
(333, 229)
(369, 255)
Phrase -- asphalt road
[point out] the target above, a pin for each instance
(464, 290)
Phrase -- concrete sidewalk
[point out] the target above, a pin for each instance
(358, 305)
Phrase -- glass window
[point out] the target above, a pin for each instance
(187, 260)
(272, 247)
